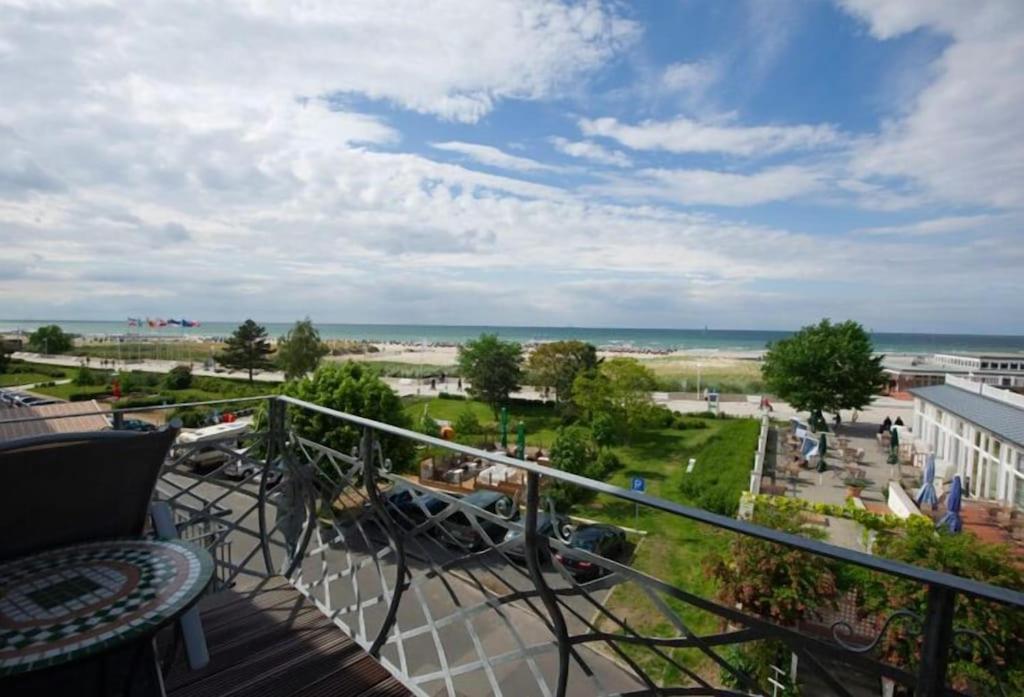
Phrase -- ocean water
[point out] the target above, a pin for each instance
(649, 339)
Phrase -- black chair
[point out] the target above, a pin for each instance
(61, 489)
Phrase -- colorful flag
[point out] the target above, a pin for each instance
(189, 323)
(174, 322)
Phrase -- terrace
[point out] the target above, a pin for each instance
(324, 587)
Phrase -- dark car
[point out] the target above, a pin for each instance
(408, 509)
(137, 425)
(605, 541)
(461, 531)
(547, 526)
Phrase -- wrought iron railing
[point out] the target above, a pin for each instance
(454, 599)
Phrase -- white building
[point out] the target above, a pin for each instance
(977, 431)
(1002, 369)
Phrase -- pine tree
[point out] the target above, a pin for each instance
(247, 349)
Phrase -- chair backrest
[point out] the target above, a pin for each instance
(74, 487)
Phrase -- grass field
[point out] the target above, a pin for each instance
(25, 373)
(540, 419)
(184, 351)
(732, 375)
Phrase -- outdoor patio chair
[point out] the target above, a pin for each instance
(66, 488)
(73, 487)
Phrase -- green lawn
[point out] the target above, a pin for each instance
(24, 373)
(65, 391)
(9, 379)
(540, 419)
(675, 547)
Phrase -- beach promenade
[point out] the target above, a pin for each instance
(873, 414)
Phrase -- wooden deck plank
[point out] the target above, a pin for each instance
(272, 642)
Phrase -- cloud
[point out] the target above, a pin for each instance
(685, 135)
(936, 226)
(492, 156)
(961, 138)
(691, 187)
(689, 77)
(589, 150)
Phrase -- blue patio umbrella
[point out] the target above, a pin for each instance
(927, 493)
(951, 518)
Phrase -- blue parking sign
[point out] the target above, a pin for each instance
(638, 484)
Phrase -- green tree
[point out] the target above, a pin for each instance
(556, 365)
(179, 378)
(354, 389)
(300, 350)
(824, 367)
(572, 452)
(247, 349)
(493, 369)
(49, 339)
(617, 393)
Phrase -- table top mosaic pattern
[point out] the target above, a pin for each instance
(64, 604)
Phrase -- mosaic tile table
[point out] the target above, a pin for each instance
(65, 604)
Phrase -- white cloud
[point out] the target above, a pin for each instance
(492, 156)
(684, 135)
(692, 187)
(961, 138)
(589, 150)
(936, 226)
(689, 77)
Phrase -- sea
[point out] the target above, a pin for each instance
(654, 340)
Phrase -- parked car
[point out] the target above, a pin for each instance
(547, 526)
(408, 509)
(461, 530)
(137, 425)
(242, 469)
(209, 445)
(602, 540)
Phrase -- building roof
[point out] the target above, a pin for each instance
(1002, 419)
(78, 417)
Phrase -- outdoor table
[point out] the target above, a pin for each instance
(83, 600)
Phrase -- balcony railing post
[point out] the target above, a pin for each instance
(532, 548)
(118, 421)
(367, 450)
(937, 635)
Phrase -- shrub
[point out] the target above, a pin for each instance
(135, 402)
(85, 377)
(605, 429)
(572, 452)
(82, 396)
(179, 378)
(607, 463)
(452, 396)
(191, 417)
(466, 423)
(138, 381)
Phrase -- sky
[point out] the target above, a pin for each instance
(736, 164)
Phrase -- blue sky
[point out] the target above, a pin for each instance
(660, 164)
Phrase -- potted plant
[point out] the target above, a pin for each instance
(855, 485)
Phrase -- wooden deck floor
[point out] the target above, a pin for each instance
(272, 643)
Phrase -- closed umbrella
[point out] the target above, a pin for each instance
(521, 441)
(822, 449)
(927, 493)
(503, 426)
(951, 518)
(894, 447)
